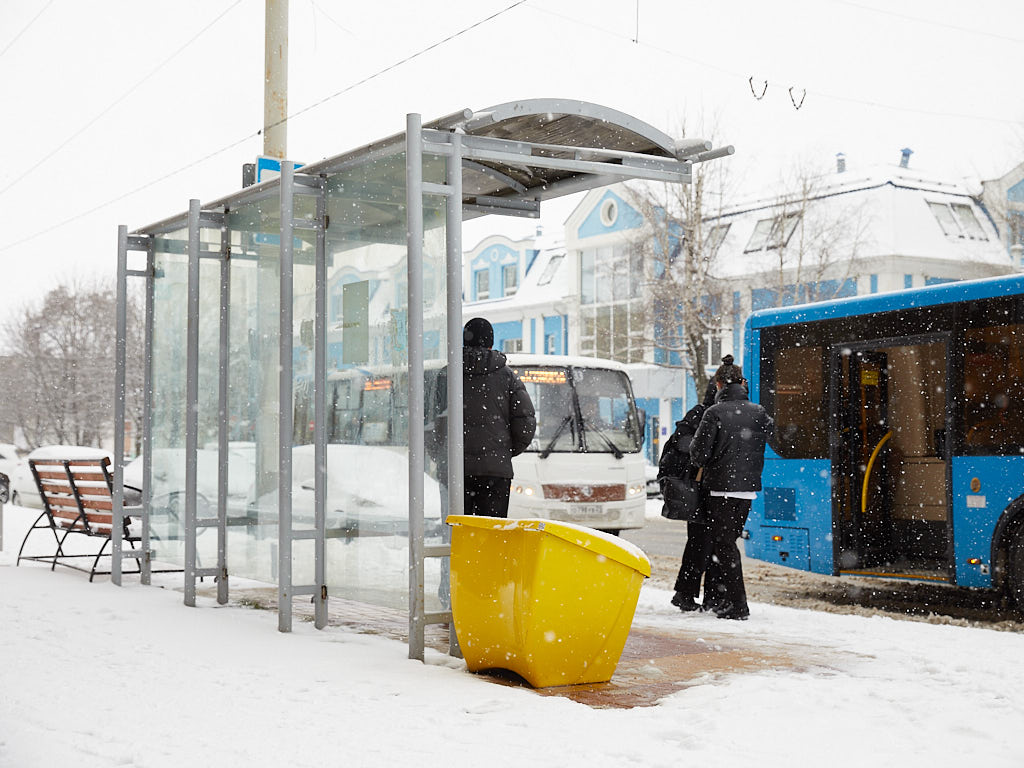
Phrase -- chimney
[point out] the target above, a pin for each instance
(840, 162)
(905, 154)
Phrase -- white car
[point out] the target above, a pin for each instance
(23, 486)
(9, 458)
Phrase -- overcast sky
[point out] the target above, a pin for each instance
(120, 111)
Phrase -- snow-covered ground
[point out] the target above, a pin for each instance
(95, 675)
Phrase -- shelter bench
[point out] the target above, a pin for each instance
(77, 497)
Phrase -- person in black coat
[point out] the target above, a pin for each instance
(675, 463)
(729, 444)
(498, 421)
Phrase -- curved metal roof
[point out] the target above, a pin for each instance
(516, 154)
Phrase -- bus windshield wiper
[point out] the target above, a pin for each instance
(558, 433)
(603, 436)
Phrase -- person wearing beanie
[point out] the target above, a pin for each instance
(675, 464)
(729, 444)
(498, 421)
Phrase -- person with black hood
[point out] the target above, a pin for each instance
(498, 421)
(729, 444)
(674, 465)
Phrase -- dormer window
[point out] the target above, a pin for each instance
(957, 220)
(715, 238)
(772, 233)
(550, 269)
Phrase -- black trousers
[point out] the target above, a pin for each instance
(697, 563)
(728, 516)
(487, 496)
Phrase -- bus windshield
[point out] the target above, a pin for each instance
(581, 410)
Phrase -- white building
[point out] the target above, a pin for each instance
(850, 232)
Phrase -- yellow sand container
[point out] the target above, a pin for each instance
(550, 601)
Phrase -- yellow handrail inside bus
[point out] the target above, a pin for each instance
(867, 473)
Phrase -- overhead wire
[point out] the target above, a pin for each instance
(246, 138)
(35, 164)
(25, 29)
(745, 77)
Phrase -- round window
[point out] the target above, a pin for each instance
(609, 212)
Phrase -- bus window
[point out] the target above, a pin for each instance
(799, 387)
(993, 412)
(610, 422)
(551, 393)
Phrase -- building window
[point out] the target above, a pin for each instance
(713, 344)
(510, 279)
(609, 212)
(957, 220)
(550, 269)
(968, 221)
(512, 345)
(587, 277)
(772, 233)
(483, 284)
(715, 238)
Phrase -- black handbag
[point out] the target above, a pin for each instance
(684, 499)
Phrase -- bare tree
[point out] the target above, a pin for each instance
(810, 241)
(61, 367)
(679, 243)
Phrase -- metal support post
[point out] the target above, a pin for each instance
(453, 268)
(222, 414)
(147, 417)
(120, 362)
(191, 402)
(320, 412)
(285, 427)
(414, 228)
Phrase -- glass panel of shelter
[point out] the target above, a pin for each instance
(167, 419)
(367, 383)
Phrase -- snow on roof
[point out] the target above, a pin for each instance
(884, 212)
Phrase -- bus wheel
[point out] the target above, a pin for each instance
(1016, 570)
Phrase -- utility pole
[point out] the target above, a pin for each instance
(275, 86)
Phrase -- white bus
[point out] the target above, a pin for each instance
(585, 463)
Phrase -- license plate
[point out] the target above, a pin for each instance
(588, 511)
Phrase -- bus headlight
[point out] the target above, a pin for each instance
(524, 490)
(635, 490)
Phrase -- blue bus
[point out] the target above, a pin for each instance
(898, 449)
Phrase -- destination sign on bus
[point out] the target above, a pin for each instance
(542, 376)
(376, 384)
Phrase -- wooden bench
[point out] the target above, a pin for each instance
(77, 497)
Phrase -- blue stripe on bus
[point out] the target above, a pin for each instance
(947, 293)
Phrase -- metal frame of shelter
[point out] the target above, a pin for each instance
(504, 160)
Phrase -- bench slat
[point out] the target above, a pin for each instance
(72, 513)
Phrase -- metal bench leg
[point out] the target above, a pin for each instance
(60, 547)
(96, 560)
(35, 526)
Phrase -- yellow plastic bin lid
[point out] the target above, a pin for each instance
(599, 542)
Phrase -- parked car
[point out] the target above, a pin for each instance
(9, 458)
(651, 475)
(23, 485)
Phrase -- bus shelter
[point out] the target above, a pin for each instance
(291, 330)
